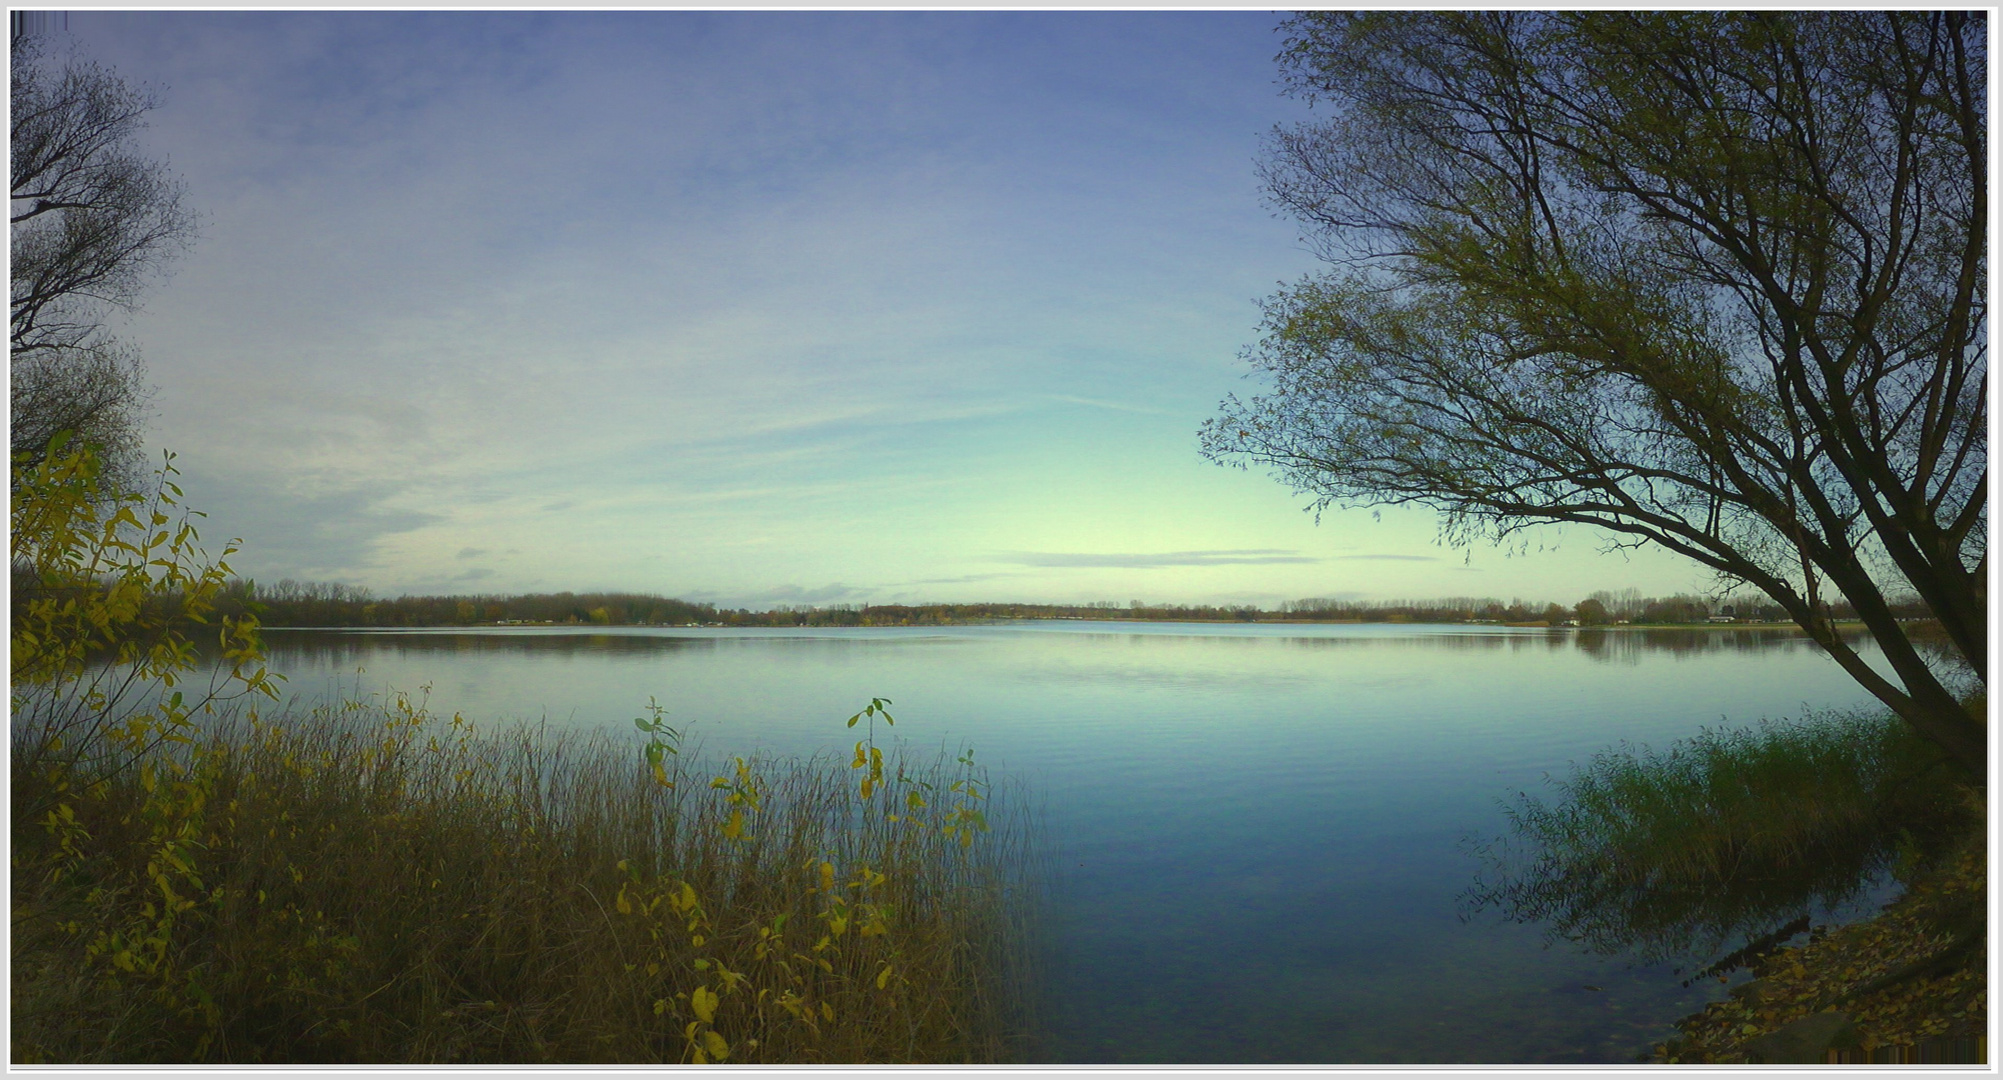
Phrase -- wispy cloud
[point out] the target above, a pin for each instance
(1391, 558)
(1144, 560)
(965, 579)
(1099, 403)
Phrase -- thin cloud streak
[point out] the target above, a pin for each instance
(962, 579)
(1149, 560)
(1116, 406)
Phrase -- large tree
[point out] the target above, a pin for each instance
(1711, 281)
(92, 219)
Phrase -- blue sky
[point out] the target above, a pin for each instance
(753, 308)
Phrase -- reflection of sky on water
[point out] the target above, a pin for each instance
(1257, 829)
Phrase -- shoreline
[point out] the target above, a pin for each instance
(1845, 626)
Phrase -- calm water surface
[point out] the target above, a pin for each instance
(1257, 830)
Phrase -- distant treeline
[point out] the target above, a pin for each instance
(292, 603)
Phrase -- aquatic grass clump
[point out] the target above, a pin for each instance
(369, 882)
(1728, 834)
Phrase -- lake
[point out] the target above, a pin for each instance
(1257, 833)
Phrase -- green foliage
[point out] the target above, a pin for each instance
(1730, 833)
(108, 586)
(663, 742)
(101, 575)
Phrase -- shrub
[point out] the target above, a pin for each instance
(107, 588)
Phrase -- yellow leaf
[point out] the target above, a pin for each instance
(883, 977)
(734, 828)
(718, 1049)
(700, 1057)
(827, 1010)
(703, 1001)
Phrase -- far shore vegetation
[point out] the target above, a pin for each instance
(313, 604)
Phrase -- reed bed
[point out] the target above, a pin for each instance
(371, 883)
(1726, 834)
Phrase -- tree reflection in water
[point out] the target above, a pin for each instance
(1732, 836)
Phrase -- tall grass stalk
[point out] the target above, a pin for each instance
(370, 882)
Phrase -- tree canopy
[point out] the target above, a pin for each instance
(1713, 281)
(91, 218)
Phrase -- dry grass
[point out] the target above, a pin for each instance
(370, 883)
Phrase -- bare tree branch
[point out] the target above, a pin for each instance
(1709, 280)
(92, 220)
